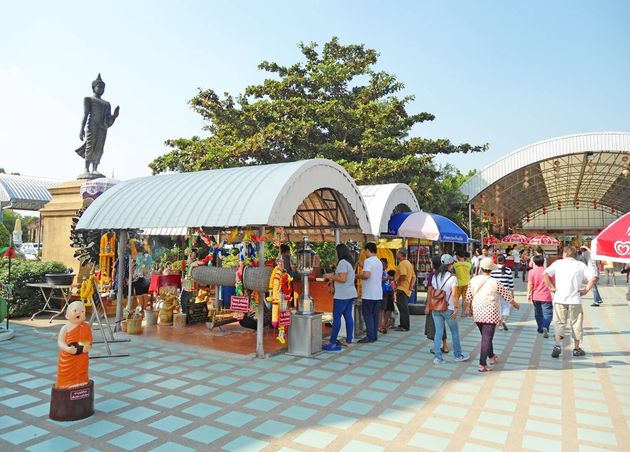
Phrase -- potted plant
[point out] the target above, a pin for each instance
(134, 320)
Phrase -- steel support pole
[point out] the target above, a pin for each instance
(260, 351)
(470, 231)
(120, 277)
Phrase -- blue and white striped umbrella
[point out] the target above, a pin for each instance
(427, 226)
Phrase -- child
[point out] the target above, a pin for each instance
(388, 297)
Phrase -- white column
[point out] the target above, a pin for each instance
(122, 240)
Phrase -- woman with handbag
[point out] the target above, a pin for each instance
(429, 324)
(483, 296)
(444, 308)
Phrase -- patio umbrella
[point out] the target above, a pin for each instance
(613, 243)
(515, 239)
(424, 225)
(543, 240)
(491, 240)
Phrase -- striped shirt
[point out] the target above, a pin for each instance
(504, 276)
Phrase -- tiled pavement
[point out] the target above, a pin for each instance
(382, 396)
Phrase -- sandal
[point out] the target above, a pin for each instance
(484, 369)
(494, 359)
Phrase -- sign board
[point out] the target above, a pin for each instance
(79, 394)
(240, 304)
(285, 318)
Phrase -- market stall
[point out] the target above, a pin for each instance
(315, 198)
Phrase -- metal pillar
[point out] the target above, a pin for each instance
(122, 241)
(337, 236)
(260, 351)
(470, 231)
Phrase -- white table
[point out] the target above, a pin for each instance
(48, 292)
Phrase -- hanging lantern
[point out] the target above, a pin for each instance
(577, 203)
(544, 210)
(527, 216)
(594, 204)
(559, 205)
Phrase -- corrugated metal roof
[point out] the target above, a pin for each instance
(384, 200)
(544, 150)
(24, 192)
(224, 198)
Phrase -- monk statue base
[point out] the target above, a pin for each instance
(72, 404)
(89, 176)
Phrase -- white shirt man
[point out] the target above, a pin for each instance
(567, 292)
(371, 292)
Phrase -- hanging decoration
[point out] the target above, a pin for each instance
(87, 291)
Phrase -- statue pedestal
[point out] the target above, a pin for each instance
(72, 404)
(56, 217)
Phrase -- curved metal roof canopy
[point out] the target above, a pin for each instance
(308, 197)
(385, 200)
(588, 171)
(24, 192)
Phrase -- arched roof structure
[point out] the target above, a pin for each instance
(383, 201)
(588, 171)
(308, 197)
(24, 192)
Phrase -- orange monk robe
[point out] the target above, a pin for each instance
(72, 370)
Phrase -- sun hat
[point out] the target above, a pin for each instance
(447, 259)
(487, 264)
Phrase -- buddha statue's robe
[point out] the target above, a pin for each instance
(72, 370)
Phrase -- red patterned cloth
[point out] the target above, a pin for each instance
(483, 293)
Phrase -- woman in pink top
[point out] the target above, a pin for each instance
(540, 296)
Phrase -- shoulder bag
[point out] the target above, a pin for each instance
(438, 297)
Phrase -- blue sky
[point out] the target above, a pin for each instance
(504, 73)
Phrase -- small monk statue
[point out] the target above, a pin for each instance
(74, 341)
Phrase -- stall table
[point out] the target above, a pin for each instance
(159, 280)
(48, 291)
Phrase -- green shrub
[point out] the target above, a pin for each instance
(27, 300)
(4, 236)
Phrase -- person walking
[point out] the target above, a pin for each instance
(475, 261)
(372, 292)
(444, 281)
(462, 272)
(504, 275)
(405, 280)
(524, 263)
(567, 292)
(540, 296)
(429, 324)
(584, 255)
(345, 295)
(516, 255)
(388, 297)
(609, 268)
(482, 302)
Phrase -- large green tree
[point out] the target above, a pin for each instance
(334, 105)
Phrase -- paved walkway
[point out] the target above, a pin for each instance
(382, 396)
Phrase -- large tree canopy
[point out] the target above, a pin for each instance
(334, 105)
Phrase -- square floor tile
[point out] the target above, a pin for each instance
(57, 444)
(36, 383)
(303, 382)
(367, 371)
(117, 388)
(261, 404)
(360, 446)
(6, 392)
(399, 416)
(299, 412)
(273, 377)
(337, 421)
(245, 444)
(254, 386)
(450, 410)
(421, 391)
(319, 399)
(352, 380)
(501, 405)
(99, 428)
(142, 394)
(274, 428)
(172, 447)
(356, 407)
(395, 376)
(540, 443)
(336, 389)
(229, 397)
(441, 425)
(244, 372)
(138, 414)
(284, 393)
(593, 420)
(549, 428)
(224, 380)
(201, 410)
(495, 435)
(132, 440)
(199, 390)
(425, 441)
(19, 401)
(409, 402)
(24, 434)
(315, 438)
(235, 418)
(372, 396)
(596, 436)
(206, 434)
(109, 405)
(491, 418)
(8, 421)
(170, 401)
(385, 385)
(38, 410)
(381, 431)
(123, 373)
(170, 423)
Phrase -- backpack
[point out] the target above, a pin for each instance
(438, 300)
